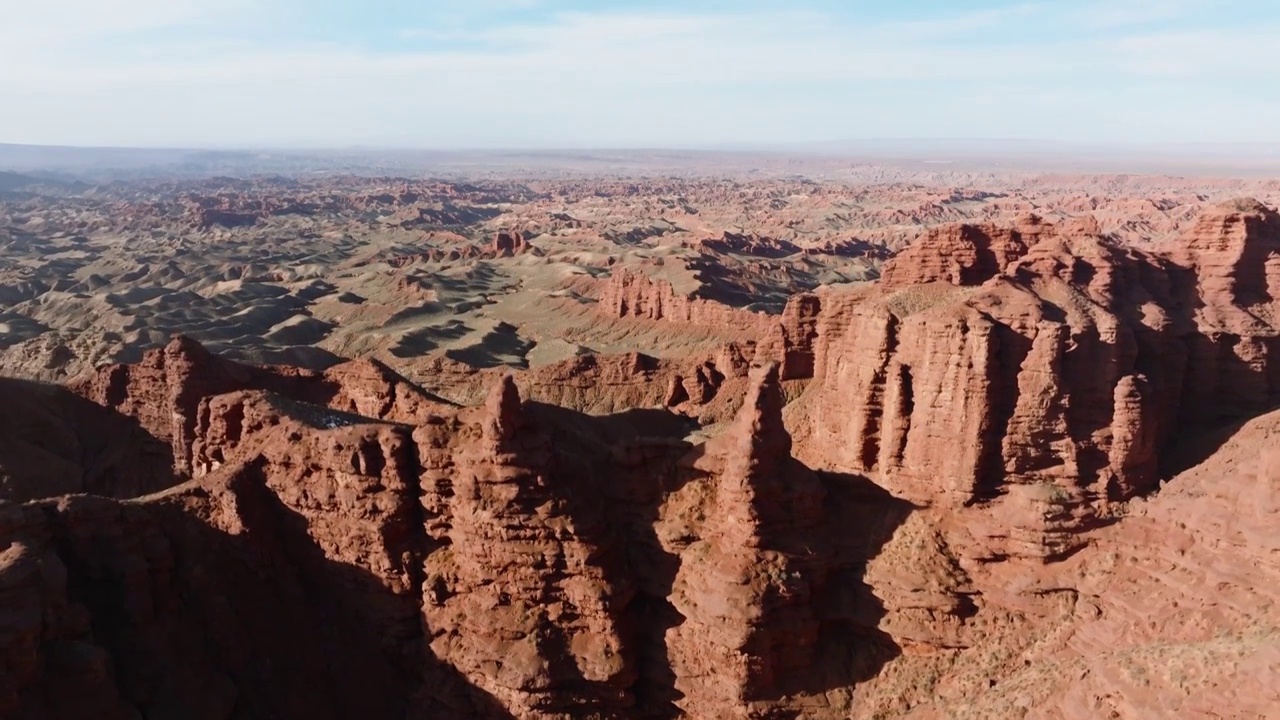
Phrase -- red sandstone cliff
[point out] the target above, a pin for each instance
(744, 588)
(962, 254)
(524, 592)
(480, 565)
(629, 294)
(1075, 366)
(165, 390)
(961, 537)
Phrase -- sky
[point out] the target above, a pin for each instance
(452, 74)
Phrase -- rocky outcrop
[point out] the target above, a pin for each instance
(507, 244)
(629, 294)
(298, 510)
(790, 342)
(525, 593)
(210, 601)
(1171, 612)
(749, 629)
(1076, 366)
(480, 566)
(1234, 249)
(850, 248)
(443, 214)
(707, 388)
(786, 339)
(452, 248)
(204, 218)
(962, 254)
(750, 244)
(164, 391)
(601, 383)
(350, 482)
(370, 389)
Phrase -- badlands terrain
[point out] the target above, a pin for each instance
(765, 439)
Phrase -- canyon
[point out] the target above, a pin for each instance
(910, 446)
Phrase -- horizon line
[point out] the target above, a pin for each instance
(763, 146)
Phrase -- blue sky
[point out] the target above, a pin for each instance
(617, 73)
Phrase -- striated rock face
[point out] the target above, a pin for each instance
(749, 630)
(371, 389)
(1170, 613)
(1234, 249)
(524, 594)
(707, 388)
(209, 601)
(791, 341)
(602, 384)
(787, 339)
(628, 294)
(300, 545)
(1076, 365)
(508, 560)
(509, 245)
(165, 390)
(750, 244)
(205, 218)
(352, 484)
(962, 254)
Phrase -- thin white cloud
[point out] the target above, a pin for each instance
(627, 78)
(1128, 13)
(29, 23)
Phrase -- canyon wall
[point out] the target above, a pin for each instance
(946, 522)
(629, 294)
(477, 562)
(1075, 365)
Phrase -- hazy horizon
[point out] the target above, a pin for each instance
(572, 74)
(852, 145)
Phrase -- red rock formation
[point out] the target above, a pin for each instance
(509, 244)
(750, 244)
(351, 482)
(791, 340)
(352, 546)
(503, 245)
(509, 592)
(632, 295)
(164, 391)
(749, 629)
(371, 389)
(208, 218)
(1234, 249)
(438, 255)
(851, 248)
(1077, 366)
(601, 384)
(1070, 367)
(961, 254)
(208, 601)
(523, 594)
(332, 496)
(1170, 613)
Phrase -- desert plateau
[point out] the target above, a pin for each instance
(721, 436)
